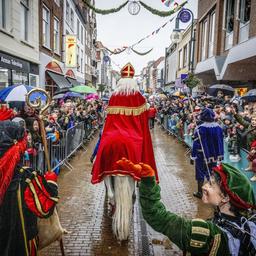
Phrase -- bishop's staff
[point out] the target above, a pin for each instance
(37, 105)
(54, 222)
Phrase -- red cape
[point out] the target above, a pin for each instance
(126, 134)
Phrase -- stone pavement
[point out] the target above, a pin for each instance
(83, 209)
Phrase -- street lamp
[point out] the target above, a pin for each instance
(185, 15)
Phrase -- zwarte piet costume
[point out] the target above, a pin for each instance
(207, 148)
(25, 195)
(224, 235)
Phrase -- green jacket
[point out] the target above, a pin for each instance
(196, 236)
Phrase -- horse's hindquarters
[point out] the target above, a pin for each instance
(124, 187)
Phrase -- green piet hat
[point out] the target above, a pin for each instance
(237, 186)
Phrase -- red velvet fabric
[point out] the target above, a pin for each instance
(124, 136)
(41, 196)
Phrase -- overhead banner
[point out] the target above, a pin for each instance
(71, 61)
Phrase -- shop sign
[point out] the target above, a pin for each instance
(184, 16)
(10, 62)
(71, 59)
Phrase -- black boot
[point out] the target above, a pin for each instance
(199, 192)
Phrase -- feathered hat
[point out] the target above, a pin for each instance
(237, 186)
(12, 146)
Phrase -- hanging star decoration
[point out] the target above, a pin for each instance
(134, 9)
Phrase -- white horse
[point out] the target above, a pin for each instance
(120, 191)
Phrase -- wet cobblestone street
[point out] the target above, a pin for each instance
(82, 207)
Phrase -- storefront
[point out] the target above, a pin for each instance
(70, 76)
(55, 81)
(14, 71)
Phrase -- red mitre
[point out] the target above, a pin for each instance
(128, 71)
(126, 134)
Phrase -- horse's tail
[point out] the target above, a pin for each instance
(124, 188)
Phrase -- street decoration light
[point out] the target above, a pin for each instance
(176, 36)
(134, 7)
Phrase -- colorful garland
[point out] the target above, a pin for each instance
(150, 9)
(104, 12)
(162, 13)
(142, 53)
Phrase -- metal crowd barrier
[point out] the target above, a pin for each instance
(61, 151)
(187, 140)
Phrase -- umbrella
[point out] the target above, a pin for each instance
(226, 89)
(18, 93)
(250, 96)
(84, 89)
(58, 96)
(73, 95)
(92, 96)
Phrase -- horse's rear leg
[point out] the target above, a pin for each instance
(110, 191)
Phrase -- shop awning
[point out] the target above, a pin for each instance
(59, 79)
(73, 81)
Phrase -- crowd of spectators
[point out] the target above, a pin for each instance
(62, 115)
(180, 115)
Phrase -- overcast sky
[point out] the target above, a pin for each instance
(122, 29)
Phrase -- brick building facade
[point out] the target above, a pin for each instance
(226, 42)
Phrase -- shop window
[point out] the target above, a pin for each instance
(203, 39)
(211, 35)
(3, 10)
(24, 19)
(82, 34)
(67, 12)
(33, 80)
(229, 22)
(185, 56)
(77, 58)
(81, 61)
(19, 77)
(3, 78)
(46, 27)
(78, 29)
(56, 35)
(180, 59)
(244, 17)
(72, 19)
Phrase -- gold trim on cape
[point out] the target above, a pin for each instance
(22, 220)
(128, 111)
